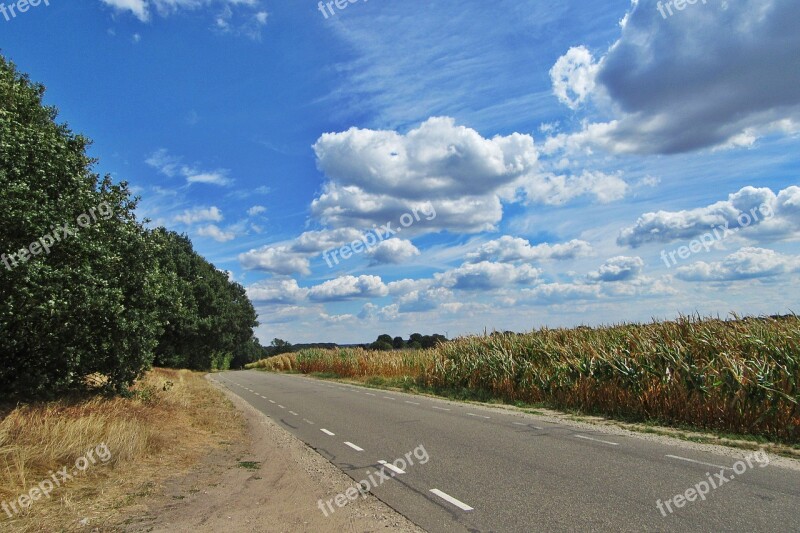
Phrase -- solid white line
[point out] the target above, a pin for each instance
(327, 432)
(479, 416)
(391, 467)
(412, 403)
(446, 497)
(597, 440)
(698, 462)
(356, 448)
(440, 408)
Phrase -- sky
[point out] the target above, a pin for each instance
(401, 166)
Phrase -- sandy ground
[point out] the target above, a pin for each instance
(270, 483)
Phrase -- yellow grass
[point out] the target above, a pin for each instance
(175, 417)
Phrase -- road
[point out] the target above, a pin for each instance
(498, 470)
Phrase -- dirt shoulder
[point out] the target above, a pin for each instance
(270, 481)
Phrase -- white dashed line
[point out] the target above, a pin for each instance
(307, 421)
(271, 401)
(327, 432)
(441, 408)
(597, 440)
(369, 394)
(295, 414)
(356, 448)
(412, 403)
(446, 497)
(698, 462)
(282, 407)
(389, 398)
(479, 416)
(391, 467)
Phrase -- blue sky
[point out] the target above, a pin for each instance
(542, 159)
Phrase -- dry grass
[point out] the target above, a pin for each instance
(740, 376)
(174, 418)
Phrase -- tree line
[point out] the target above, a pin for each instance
(88, 298)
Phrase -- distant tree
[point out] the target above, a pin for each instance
(415, 337)
(384, 338)
(415, 345)
(381, 345)
(279, 346)
(398, 343)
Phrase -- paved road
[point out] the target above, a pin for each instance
(496, 470)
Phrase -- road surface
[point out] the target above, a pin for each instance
(474, 468)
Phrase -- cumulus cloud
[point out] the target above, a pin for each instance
(747, 263)
(393, 251)
(749, 212)
(658, 77)
(215, 232)
(509, 249)
(487, 276)
(348, 288)
(256, 210)
(620, 268)
(277, 291)
(278, 260)
(200, 214)
(171, 166)
(573, 76)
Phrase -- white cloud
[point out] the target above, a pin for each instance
(747, 263)
(487, 276)
(218, 177)
(620, 268)
(749, 212)
(200, 214)
(393, 251)
(509, 249)
(348, 288)
(213, 231)
(256, 210)
(278, 260)
(277, 291)
(171, 166)
(573, 76)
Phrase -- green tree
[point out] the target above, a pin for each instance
(398, 343)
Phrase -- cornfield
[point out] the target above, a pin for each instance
(738, 375)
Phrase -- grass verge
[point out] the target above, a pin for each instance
(171, 421)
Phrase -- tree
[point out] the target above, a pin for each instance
(81, 299)
(398, 343)
(381, 345)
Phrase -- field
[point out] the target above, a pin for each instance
(739, 375)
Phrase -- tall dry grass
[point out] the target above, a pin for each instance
(738, 375)
(173, 418)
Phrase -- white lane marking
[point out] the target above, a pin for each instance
(446, 497)
(295, 414)
(271, 401)
(526, 425)
(327, 432)
(479, 416)
(307, 421)
(389, 398)
(282, 407)
(441, 408)
(597, 440)
(412, 403)
(369, 394)
(698, 462)
(356, 448)
(391, 467)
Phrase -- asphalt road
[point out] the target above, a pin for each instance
(496, 470)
